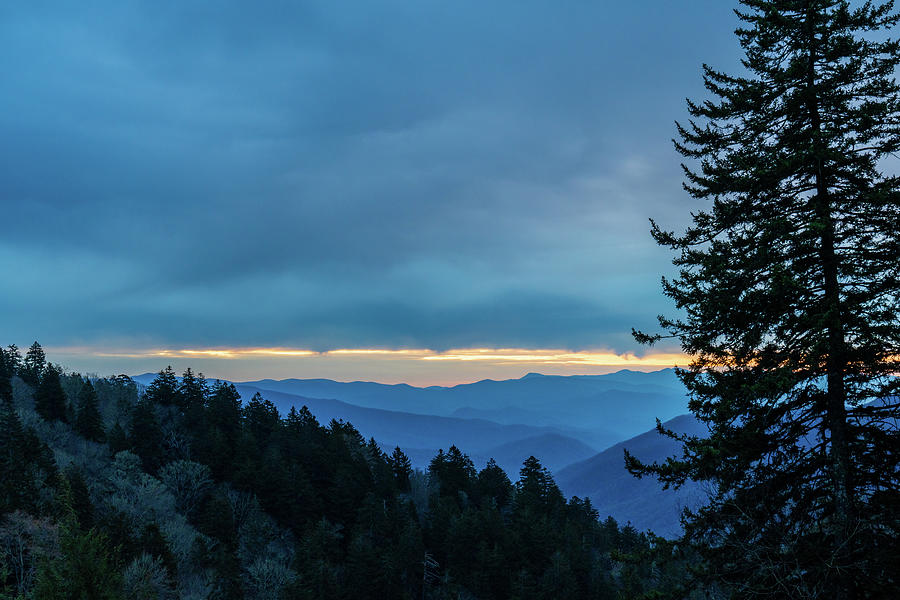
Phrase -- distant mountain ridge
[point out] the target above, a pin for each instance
(605, 408)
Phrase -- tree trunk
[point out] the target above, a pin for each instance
(835, 365)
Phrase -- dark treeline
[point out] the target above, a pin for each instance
(185, 491)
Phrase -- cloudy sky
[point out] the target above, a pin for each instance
(319, 176)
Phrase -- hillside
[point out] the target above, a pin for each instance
(642, 502)
(420, 436)
(555, 451)
(409, 430)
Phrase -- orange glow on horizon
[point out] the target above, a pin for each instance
(492, 355)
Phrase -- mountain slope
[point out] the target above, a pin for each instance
(643, 502)
(422, 435)
(396, 428)
(555, 451)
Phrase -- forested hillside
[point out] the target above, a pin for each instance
(184, 491)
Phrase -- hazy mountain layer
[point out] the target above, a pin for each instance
(605, 408)
(643, 502)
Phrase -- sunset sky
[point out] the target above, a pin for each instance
(422, 191)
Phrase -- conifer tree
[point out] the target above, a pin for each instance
(6, 372)
(117, 439)
(454, 471)
(145, 435)
(80, 497)
(17, 484)
(13, 359)
(88, 422)
(50, 398)
(33, 366)
(260, 418)
(401, 467)
(790, 291)
(164, 388)
(536, 491)
(192, 390)
(494, 484)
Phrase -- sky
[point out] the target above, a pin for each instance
(258, 188)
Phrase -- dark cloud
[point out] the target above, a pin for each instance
(343, 174)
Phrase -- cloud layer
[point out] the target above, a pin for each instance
(337, 174)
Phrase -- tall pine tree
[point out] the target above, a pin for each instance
(88, 422)
(790, 290)
(145, 435)
(164, 388)
(50, 398)
(33, 366)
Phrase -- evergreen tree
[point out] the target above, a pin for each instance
(220, 438)
(536, 491)
(192, 398)
(790, 289)
(33, 366)
(88, 422)
(80, 497)
(260, 418)
(192, 390)
(494, 485)
(401, 467)
(84, 569)
(117, 439)
(145, 435)
(17, 484)
(455, 473)
(7, 370)
(13, 359)
(49, 398)
(164, 388)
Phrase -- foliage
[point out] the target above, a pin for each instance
(83, 569)
(88, 422)
(32, 368)
(790, 287)
(50, 398)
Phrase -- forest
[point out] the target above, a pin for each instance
(183, 490)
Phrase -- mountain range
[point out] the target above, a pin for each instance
(562, 420)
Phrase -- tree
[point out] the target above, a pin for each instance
(13, 359)
(494, 484)
(401, 468)
(145, 435)
(164, 388)
(192, 397)
(260, 419)
(49, 398)
(33, 366)
(454, 471)
(88, 422)
(536, 491)
(188, 481)
(7, 370)
(18, 489)
(85, 569)
(223, 429)
(117, 439)
(145, 578)
(790, 290)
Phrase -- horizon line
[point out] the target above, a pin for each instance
(420, 367)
